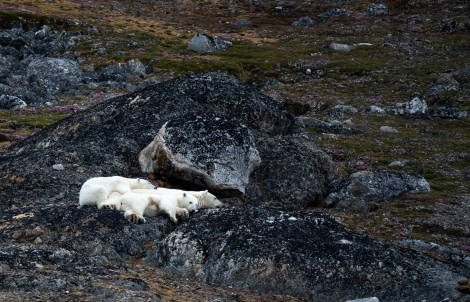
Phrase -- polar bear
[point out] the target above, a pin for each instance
(97, 190)
(205, 199)
(137, 205)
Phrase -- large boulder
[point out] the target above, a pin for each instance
(133, 69)
(207, 150)
(11, 102)
(58, 76)
(359, 191)
(303, 254)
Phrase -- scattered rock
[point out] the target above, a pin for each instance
(340, 110)
(204, 43)
(359, 191)
(375, 10)
(388, 129)
(375, 109)
(341, 47)
(327, 125)
(332, 13)
(242, 22)
(416, 107)
(448, 112)
(444, 83)
(304, 21)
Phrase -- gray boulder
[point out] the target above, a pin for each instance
(359, 191)
(205, 150)
(204, 43)
(11, 102)
(304, 254)
(415, 107)
(377, 10)
(56, 75)
(120, 72)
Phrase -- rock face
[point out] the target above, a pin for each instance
(302, 254)
(206, 150)
(360, 190)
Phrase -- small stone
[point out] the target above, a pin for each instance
(58, 167)
(37, 240)
(388, 129)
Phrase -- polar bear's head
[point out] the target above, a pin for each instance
(209, 200)
(139, 183)
(189, 202)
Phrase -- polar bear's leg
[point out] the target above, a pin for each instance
(110, 203)
(92, 195)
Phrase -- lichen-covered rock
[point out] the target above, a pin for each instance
(359, 191)
(207, 150)
(303, 254)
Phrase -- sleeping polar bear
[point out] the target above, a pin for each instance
(205, 199)
(97, 190)
(137, 205)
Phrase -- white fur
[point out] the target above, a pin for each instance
(97, 190)
(137, 205)
(205, 199)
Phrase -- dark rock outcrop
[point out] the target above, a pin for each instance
(359, 191)
(307, 255)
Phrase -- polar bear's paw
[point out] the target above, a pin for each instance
(109, 206)
(183, 213)
(134, 218)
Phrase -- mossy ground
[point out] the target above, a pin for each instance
(402, 61)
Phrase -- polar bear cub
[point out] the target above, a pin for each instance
(97, 190)
(205, 199)
(137, 205)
